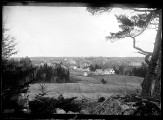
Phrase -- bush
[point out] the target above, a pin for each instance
(46, 105)
(16, 77)
(50, 74)
(103, 81)
(42, 105)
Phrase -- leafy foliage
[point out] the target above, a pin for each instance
(129, 104)
(16, 77)
(8, 43)
(103, 81)
(134, 25)
(41, 104)
(47, 73)
(140, 72)
(147, 108)
(94, 67)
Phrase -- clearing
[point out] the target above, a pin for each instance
(90, 87)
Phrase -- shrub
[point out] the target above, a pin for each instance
(16, 77)
(103, 81)
(47, 105)
(42, 105)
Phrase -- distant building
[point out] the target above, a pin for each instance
(109, 71)
(135, 64)
(106, 71)
(73, 67)
(85, 74)
(72, 62)
(64, 67)
(86, 69)
(99, 72)
(42, 64)
(79, 69)
(86, 65)
(91, 74)
(49, 64)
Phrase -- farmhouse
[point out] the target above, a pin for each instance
(86, 69)
(109, 71)
(73, 67)
(64, 67)
(99, 72)
(135, 64)
(72, 62)
(106, 71)
(85, 74)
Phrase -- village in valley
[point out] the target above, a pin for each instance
(80, 60)
(82, 65)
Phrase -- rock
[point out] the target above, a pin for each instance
(124, 107)
(21, 99)
(60, 111)
(129, 112)
(84, 112)
(70, 112)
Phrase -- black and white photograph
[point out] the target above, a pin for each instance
(80, 59)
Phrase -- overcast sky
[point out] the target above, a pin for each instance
(69, 32)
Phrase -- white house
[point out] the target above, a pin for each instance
(135, 64)
(49, 64)
(106, 72)
(64, 67)
(72, 62)
(85, 74)
(86, 69)
(111, 71)
(99, 72)
(73, 67)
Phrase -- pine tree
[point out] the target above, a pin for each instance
(134, 26)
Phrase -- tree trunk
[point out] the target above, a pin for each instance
(157, 88)
(147, 83)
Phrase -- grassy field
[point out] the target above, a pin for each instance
(90, 87)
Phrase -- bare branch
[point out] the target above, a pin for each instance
(143, 51)
(138, 10)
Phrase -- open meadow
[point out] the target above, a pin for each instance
(90, 87)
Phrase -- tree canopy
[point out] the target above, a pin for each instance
(8, 43)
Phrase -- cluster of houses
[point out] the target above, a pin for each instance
(104, 72)
(86, 71)
(100, 72)
(97, 72)
(79, 69)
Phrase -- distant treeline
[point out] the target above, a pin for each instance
(124, 70)
(50, 74)
(132, 71)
